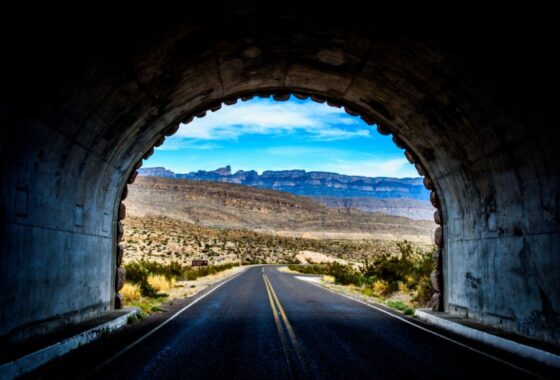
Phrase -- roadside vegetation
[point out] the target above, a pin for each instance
(148, 283)
(401, 280)
(159, 251)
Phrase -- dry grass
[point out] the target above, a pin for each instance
(328, 279)
(380, 288)
(130, 292)
(160, 283)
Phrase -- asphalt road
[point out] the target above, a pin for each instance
(265, 324)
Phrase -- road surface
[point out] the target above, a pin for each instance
(266, 324)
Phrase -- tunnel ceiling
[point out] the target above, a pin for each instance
(85, 98)
(429, 79)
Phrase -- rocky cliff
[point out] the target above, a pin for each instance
(315, 184)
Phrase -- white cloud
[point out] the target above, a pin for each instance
(376, 167)
(345, 161)
(319, 121)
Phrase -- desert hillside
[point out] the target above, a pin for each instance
(225, 205)
(410, 208)
(164, 240)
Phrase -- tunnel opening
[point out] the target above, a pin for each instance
(309, 126)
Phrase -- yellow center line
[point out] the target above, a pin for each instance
(289, 328)
(278, 326)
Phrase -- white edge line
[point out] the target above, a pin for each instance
(131, 345)
(425, 329)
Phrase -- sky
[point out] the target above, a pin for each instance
(263, 134)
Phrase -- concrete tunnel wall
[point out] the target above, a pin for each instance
(74, 128)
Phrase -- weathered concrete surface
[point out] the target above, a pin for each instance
(464, 101)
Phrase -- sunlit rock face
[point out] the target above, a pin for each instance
(300, 182)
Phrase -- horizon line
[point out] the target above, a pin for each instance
(270, 170)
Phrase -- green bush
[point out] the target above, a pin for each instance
(148, 290)
(410, 267)
(424, 291)
(399, 305)
(309, 269)
(368, 292)
(137, 272)
(408, 270)
(345, 274)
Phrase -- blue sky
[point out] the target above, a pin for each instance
(262, 134)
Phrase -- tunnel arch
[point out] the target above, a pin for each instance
(77, 129)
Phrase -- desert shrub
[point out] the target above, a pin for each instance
(424, 291)
(399, 305)
(170, 270)
(402, 271)
(213, 269)
(345, 274)
(148, 290)
(380, 288)
(136, 272)
(368, 292)
(403, 287)
(161, 283)
(341, 274)
(309, 269)
(130, 292)
(329, 279)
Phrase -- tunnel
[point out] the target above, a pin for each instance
(85, 98)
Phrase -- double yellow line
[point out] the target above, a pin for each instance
(279, 317)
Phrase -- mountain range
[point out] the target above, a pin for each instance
(393, 196)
